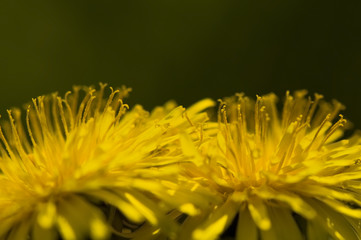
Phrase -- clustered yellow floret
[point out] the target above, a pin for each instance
(86, 166)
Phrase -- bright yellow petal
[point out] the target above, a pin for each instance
(188, 147)
(143, 208)
(47, 215)
(98, 229)
(117, 201)
(76, 217)
(151, 211)
(259, 213)
(334, 223)
(337, 178)
(200, 106)
(65, 228)
(218, 221)
(284, 226)
(343, 208)
(293, 200)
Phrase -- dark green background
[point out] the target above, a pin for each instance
(182, 50)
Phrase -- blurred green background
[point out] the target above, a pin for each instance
(183, 50)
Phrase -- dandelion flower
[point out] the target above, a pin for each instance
(84, 167)
(286, 175)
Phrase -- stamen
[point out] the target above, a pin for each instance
(16, 136)
(83, 104)
(339, 123)
(74, 102)
(318, 97)
(257, 119)
(71, 118)
(337, 108)
(87, 108)
(100, 98)
(266, 120)
(286, 113)
(62, 116)
(20, 129)
(7, 146)
(29, 127)
(318, 131)
(37, 102)
(66, 97)
(187, 118)
(110, 99)
(122, 109)
(55, 114)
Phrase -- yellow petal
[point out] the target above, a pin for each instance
(117, 201)
(76, 217)
(188, 147)
(337, 178)
(98, 229)
(189, 209)
(343, 208)
(334, 223)
(218, 221)
(331, 197)
(200, 106)
(293, 200)
(65, 228)
(284, 227)
(259, 213)
(152, 212)
(47, 215)
(143, 208)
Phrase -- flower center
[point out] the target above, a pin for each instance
(258, 146)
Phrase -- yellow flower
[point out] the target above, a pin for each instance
(286, 175)
(82, 167)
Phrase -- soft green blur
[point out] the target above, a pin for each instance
(182, 50)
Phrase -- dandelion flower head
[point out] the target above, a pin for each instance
(78, 162)
(285, 174)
